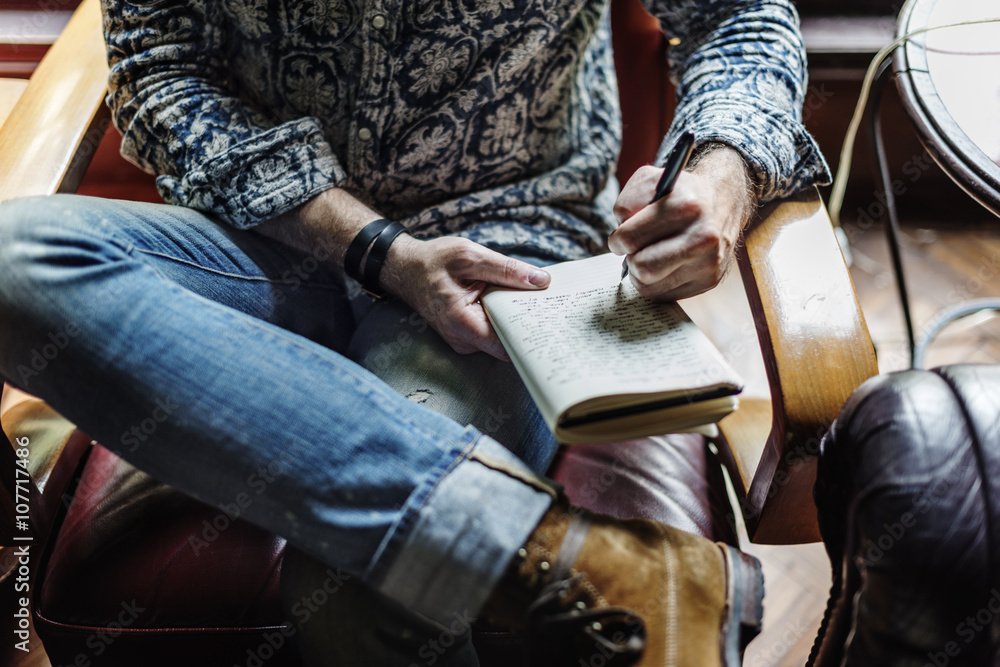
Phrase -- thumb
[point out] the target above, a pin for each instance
(497, 269)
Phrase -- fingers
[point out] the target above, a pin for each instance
(468, 330)
(641, 223)
(681, 266)
(637, 192)
(473, 262)
(485, 339)
(681, 251)
(443, 279)
(666, 218)
(681, 245)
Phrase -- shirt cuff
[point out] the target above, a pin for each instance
(782, 155)
(260, 178)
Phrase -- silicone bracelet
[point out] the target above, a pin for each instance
(355, 251)
(373, 265)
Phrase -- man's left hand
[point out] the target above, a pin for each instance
(683, 244)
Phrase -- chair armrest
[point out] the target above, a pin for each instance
(48, 139)
(816, 349)
(53, 130)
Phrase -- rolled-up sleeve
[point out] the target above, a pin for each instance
(172, 99)
(740, 70)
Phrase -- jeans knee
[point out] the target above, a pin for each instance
(40, 233)
(44, 241)
(18, 220)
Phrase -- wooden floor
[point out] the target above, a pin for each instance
(944, 265)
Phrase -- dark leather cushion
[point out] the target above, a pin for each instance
(136, 554)
(672, 479)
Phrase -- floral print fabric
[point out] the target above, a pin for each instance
(493, 119)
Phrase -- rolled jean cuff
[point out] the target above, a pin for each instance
(477, 517)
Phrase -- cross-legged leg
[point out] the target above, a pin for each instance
(162, 311)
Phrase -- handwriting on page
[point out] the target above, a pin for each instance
(600, 334)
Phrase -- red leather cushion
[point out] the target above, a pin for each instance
(134, 553)
(675, 480)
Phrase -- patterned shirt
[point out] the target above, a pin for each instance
(496, 120)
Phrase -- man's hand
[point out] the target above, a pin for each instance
(683, 244)
(442, 279)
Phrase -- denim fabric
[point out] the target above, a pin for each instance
(400, 347)
(119, 312)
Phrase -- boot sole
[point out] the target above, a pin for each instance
(745, 581)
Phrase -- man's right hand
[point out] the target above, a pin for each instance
(442, 279)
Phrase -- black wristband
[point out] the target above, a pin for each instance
(373, 265)
(355, 251)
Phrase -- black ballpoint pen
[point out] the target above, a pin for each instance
(672, 168)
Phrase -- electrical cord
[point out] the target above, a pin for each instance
(836, 201)
(870, 97)
(882, 173)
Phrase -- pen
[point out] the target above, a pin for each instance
(672, 168)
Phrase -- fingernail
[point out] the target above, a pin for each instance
(538, 278)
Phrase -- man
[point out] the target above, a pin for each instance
(283, 132)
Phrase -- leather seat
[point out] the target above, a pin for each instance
(136, 555)
(149, 562)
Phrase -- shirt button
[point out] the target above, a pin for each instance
(364, 134)
(378, 22)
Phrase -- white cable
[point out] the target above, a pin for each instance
(847, 152)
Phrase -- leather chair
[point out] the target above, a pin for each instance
(119, 579)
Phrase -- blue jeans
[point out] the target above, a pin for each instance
(250, 360)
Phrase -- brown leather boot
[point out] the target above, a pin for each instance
(590, 589)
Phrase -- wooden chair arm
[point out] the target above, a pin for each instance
(53, 130)
(816, 349)
(49, 137)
